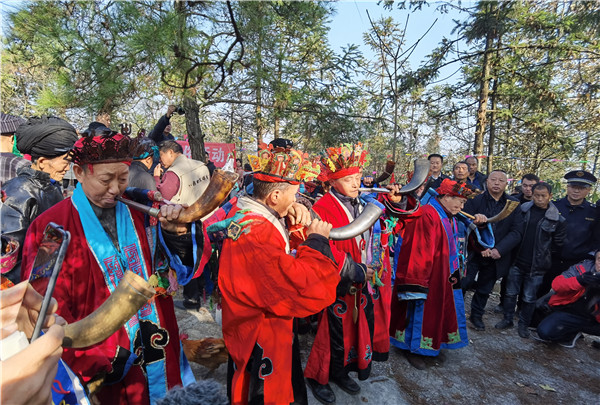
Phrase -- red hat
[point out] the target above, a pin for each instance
(278, 165)
(453, 188)
(344, 160)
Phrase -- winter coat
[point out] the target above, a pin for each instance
(551, 234)
(27, 196)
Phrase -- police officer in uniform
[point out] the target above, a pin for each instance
(581, 217)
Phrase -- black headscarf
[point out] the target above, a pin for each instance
(45, 136)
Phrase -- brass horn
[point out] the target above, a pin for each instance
(220, 185)
(130, 295)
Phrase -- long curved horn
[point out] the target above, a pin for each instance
(364, 221)
(418, 178)
(130, 295)
(220, 185)
(389, 169)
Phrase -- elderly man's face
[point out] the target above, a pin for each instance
(103, 183)
(56, 167)
(453, 204)
(347, 185)
(167, 157)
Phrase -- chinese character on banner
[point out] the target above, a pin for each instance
(217, 152)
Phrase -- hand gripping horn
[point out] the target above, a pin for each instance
(372, 211)
(130, 295)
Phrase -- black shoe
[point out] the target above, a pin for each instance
(441, 357)
(477, 323)
(571, 343)
(191, 304)
(523, 331)
(415, 360)
(185, 305)
(322, 393)
(347, 384)
(504, 324)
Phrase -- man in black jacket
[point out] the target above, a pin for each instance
(162, 129)
(37, 187)
(542, 228)
(582, 226)
(436, 162)
(139, 171)
(491, 264)
(527, 182)
(475, 177)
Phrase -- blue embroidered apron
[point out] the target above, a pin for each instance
(113, 264)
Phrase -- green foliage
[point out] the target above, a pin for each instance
(264, 69)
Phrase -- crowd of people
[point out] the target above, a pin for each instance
(398, 275)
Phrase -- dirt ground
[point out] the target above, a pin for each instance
(498, 367)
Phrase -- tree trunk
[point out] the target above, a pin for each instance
(258, 110)
(492, 132)
(596, 160)
(584, 153)
(192, 124)
(484, 88)
(395, 139)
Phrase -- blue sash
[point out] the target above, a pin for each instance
(451, 235)
(66, 387)
(113, 264)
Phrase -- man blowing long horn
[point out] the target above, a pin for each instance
(360, 314)
(143, 359)
(264, 285)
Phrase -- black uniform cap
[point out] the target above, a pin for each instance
(581, 177)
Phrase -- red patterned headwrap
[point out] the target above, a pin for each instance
(453, 188)
(109, 147)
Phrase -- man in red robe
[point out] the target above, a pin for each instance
(428, 312)
(143, 359)
(264, 285)
(354, 330)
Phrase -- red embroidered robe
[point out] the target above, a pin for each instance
(80, 289)
(341, 345)
(263, 288)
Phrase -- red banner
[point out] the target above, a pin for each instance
(217, 152)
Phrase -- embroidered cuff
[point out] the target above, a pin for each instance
(411, 296)
(319, 243)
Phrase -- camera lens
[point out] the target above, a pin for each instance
(180, 110)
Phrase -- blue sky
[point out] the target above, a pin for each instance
(351, 21)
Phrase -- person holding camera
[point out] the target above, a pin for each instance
(575, 304)
(162, 129)
(29, 374)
